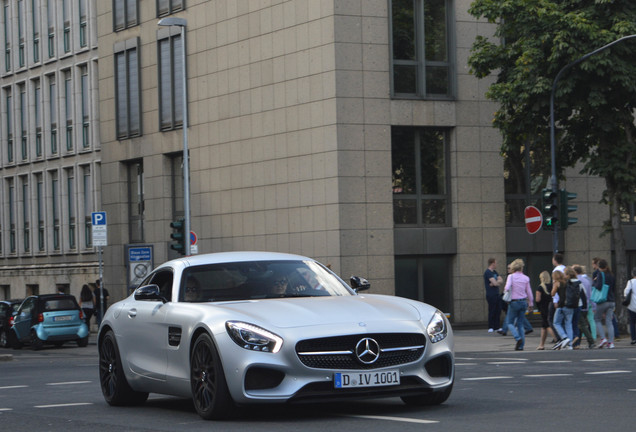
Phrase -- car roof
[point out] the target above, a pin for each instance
(225, 257)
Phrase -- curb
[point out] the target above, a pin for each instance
(6, 357)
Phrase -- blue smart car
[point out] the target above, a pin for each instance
(48, 319)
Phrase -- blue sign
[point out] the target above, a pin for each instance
(98, 218)
(143, 253)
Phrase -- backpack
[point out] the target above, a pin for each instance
(572, 294)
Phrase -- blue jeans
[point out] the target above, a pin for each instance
(563, 322)
(516, 314)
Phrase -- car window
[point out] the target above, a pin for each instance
(163, 279)
(58, 304)
(27, 306)
(259, 279)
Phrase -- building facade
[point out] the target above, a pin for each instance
(348, 131)
(49, 146)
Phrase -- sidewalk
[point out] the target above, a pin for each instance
(479, 340)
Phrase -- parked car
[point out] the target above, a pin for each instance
(48, 319)
(7, 308)
(258, 327)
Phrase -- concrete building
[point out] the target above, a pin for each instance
(49, 146)
(349, 131)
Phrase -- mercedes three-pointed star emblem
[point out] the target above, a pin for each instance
(367, 350)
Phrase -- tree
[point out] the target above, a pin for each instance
(594, 101)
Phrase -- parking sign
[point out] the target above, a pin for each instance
(99, 228)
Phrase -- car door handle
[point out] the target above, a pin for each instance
(132, 313)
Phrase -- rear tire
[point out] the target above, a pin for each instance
(13, 340)
(115, 387)
(4, 339)
(210, 394)
(36, 342)
(436, 398)
(82, 342)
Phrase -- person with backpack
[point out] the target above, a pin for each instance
(568, 288)
(605, 300)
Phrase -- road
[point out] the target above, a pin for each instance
(57, 389)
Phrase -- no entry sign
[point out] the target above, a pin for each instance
(534, 219)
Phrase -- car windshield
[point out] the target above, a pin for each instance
(59, 304)
(259, 280)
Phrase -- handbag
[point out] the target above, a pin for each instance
(628, 298)
(507, 296)
(600, 296)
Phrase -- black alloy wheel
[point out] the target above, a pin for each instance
(115, 388)
(210, 394)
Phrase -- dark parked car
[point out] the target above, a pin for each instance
(48, 319)
(7, 307)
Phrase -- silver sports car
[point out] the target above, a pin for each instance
(236, 328)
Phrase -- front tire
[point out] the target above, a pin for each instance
(435, 398)
(210, 394)
(115, 388)
(4, 339)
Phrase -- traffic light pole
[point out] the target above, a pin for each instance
(555, 181)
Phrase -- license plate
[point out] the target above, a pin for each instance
(63, 318)
(366, 379)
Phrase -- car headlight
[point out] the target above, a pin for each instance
(253, 338)
(437, 329)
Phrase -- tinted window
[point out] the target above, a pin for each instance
(59, 304)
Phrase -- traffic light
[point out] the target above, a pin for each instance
(178, 235)
(564, 209)
(549, 209)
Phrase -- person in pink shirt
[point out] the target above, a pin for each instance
(521, 299)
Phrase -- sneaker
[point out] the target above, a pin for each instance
(611, 345)
(501, 332)
(590, 346)
(633, 342)
(518, 346)
(529, 331)
(602, 343)
(491, 330)
(569, 347)
(557, 345)
(565, 343)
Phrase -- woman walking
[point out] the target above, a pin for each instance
(543, 298)
(521, 300)
(87, 303)
(605, 306)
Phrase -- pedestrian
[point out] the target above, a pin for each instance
(562, 315)
(583, 316)
(543, 298)
(101, 296)
(87, 303)
(606, 305)
(521, 300)
(631, 306)
(493, 282)
(557, 262)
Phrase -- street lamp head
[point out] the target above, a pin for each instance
(173, 21)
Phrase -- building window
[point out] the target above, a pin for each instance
(7, 36)
(70, 208)
(87, 198)
(85, 106)
(24, 145)
(21, 32)
(136, 201)
(420, 180)
(37, 117)
(83, 24)
(124, 14)
(171, 82)
(53, 113)
(50, 23)
(425, 278)
(167, 7)
(128, 94)
(40, 210)
(26, 219)
(66, 17)
(35, 24)
(9, 124)
(421, 65)
(55, 210)
(12, 225)
(68, 109)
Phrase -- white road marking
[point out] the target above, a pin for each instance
(554, 361)
(398, 419)
(12, 387)
(465, 364)
(547, 375)
(598, 360)
(506, 362)
(486, 378)
(6, 409)
(68, 383)
(608, 372)
(63, 405)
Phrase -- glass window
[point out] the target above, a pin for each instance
(35, 25)
(55, 210)
(171, 82)
(26, 219)
(167, 7)
(37, 117)
(421, 65)
(12, 224)
(85, 106)
(7, 35)
(70, 208)
(87, 198)
(40, 209)
(68, 109)
(21, 33)
(136, 201)
(124, 14)
(128, 94)
(425, 278)
(50, 21)
(66, 17)
(9, 123)
(83, 22)
(53, 113)
(24, 145)
(420, 182)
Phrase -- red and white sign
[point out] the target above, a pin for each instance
(534, 219)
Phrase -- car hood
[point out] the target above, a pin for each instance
(316, 311)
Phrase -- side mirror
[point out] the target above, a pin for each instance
(149, 292)
(359, 283)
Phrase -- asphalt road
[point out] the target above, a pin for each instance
(496, 389)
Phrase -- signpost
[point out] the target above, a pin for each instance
(533, 218)
(99, 232)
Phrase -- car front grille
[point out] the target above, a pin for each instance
(339, 352)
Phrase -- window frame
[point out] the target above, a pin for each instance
(131, 106)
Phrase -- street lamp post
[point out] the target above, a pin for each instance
(555, 181)
(182, 23)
